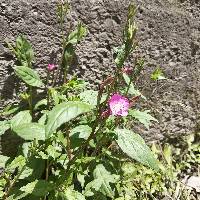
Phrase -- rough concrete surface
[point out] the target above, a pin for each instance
(169, 37)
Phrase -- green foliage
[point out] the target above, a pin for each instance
(63, 113)
(20, 118)
(38, 188)
(101, 182)
(132, 89)
(29, 76)
(23, 51)
(168, 182)
(81, 131)
(91, 96)
(30, 131)
(77, 35)
(134, 146)
(157, 75)
(4, 126)
(68, 149)
(142, 116)
(129, 42)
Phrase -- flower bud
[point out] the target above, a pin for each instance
(51, 67)
(105, 114)
(127, 70)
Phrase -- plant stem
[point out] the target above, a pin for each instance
(47, 170)
(31, 100)
(69, 153)
(6, 194)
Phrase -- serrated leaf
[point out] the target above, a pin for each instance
(29, 76)
(134, 146)
(157, 75)
(81, 131)
(63, 113)
(75, 36)
(102, 181)
(132, 89)
(70, 194)
(143, 117)
(4, 126)
(38, 188)
(20, 118)
(90, 96)
(30, 131)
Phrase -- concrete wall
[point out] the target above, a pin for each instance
(169, 37)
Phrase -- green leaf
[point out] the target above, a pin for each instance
(132, 89)
(20, 118)
(9, 109)
(90, 96)
(33, 170)
(63, 113)
(82, 131)
(30, 131)
(69, 54)
(69, 194)
(38, 188)
(29, 76)
(102, 180)
(16, 194)
(17, 162)
(54, 95)
(120, 55)
(4, 126)
(3, 160)
(143, 117)
(43, 118)
(40, 103)
(53, 151)
(22, 50)
(77, 35)
(157, 75)
(134, 146)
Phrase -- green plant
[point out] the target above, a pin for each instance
(70, 135)
(176, 162)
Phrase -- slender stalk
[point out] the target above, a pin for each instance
(11, 185)
(30, 101)
(69, 153)
(47, 170)
(129, 85)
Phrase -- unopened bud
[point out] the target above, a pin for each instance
(134, 100)
(105, 114)
(127, 70)
(51, 67)
(108, 81)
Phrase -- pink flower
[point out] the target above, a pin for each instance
(51, 67)
(119, 105)
(127, 70)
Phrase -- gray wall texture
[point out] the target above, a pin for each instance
(169, 37)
